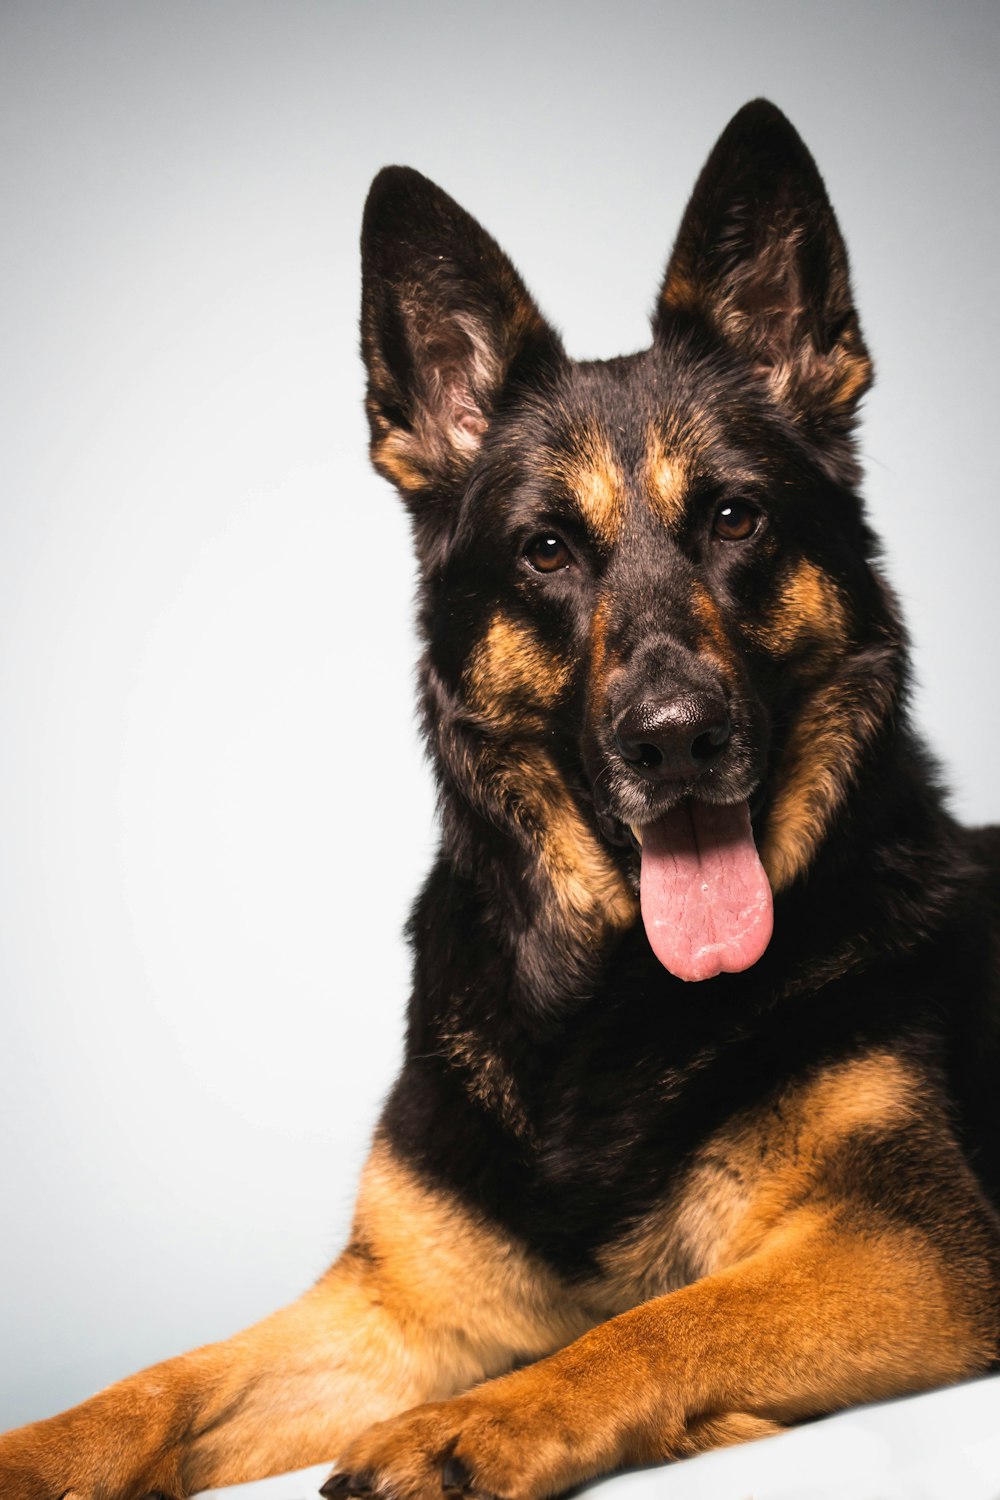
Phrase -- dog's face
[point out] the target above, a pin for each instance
(655, 639)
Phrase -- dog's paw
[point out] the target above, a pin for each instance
(475, 1446)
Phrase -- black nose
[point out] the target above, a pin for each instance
(673, 739)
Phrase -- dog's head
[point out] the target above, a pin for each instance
(654, 634)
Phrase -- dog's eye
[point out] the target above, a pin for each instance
(735, 521)
(548, 553)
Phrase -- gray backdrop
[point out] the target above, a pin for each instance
(206, 862)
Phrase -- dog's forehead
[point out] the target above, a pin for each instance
(620, 441)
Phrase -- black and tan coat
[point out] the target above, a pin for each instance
(610, 1217)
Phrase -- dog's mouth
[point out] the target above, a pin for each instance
(704, 895)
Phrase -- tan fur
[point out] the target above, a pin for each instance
(515, 778)
(681, 293)
(770, 1307)
(808, 611)
(510, 674)
(877, 1091)
(510, 668)
(666, 477)
(587, 884)
(819, 1317)
(426, 1301)
(816, 773)
(781, 1308)
(392, 456)
(716, 643)
(510, 678)
(842, 374)
(603, 665)
(748, 1176)
(478, 1294)
(590, 471)
(705, 1433)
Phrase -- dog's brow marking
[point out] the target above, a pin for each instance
(511, 667)
(666, 477)
(591, 472)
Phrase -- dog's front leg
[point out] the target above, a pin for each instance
(283, 1393)
(425, 1302)
(823, 1316)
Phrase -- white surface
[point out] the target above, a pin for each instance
(941, 1446)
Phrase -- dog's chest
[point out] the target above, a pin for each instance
(641, 1182)
(627, 1148)
(690, 1233)
(670, 1218)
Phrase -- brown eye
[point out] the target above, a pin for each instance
(548, 553)
(735, 521)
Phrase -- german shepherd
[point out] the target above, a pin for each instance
(613, 1216)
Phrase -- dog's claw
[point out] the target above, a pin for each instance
(335, 1486)
(341, 1486)
(455, 1475)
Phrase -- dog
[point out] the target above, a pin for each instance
(696, 1134)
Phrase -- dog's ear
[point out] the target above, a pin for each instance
(759, 257)
(446, 327)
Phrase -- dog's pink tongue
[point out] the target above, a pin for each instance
(706, 901)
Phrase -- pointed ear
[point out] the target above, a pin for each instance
(446, 325)
(760, 258)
